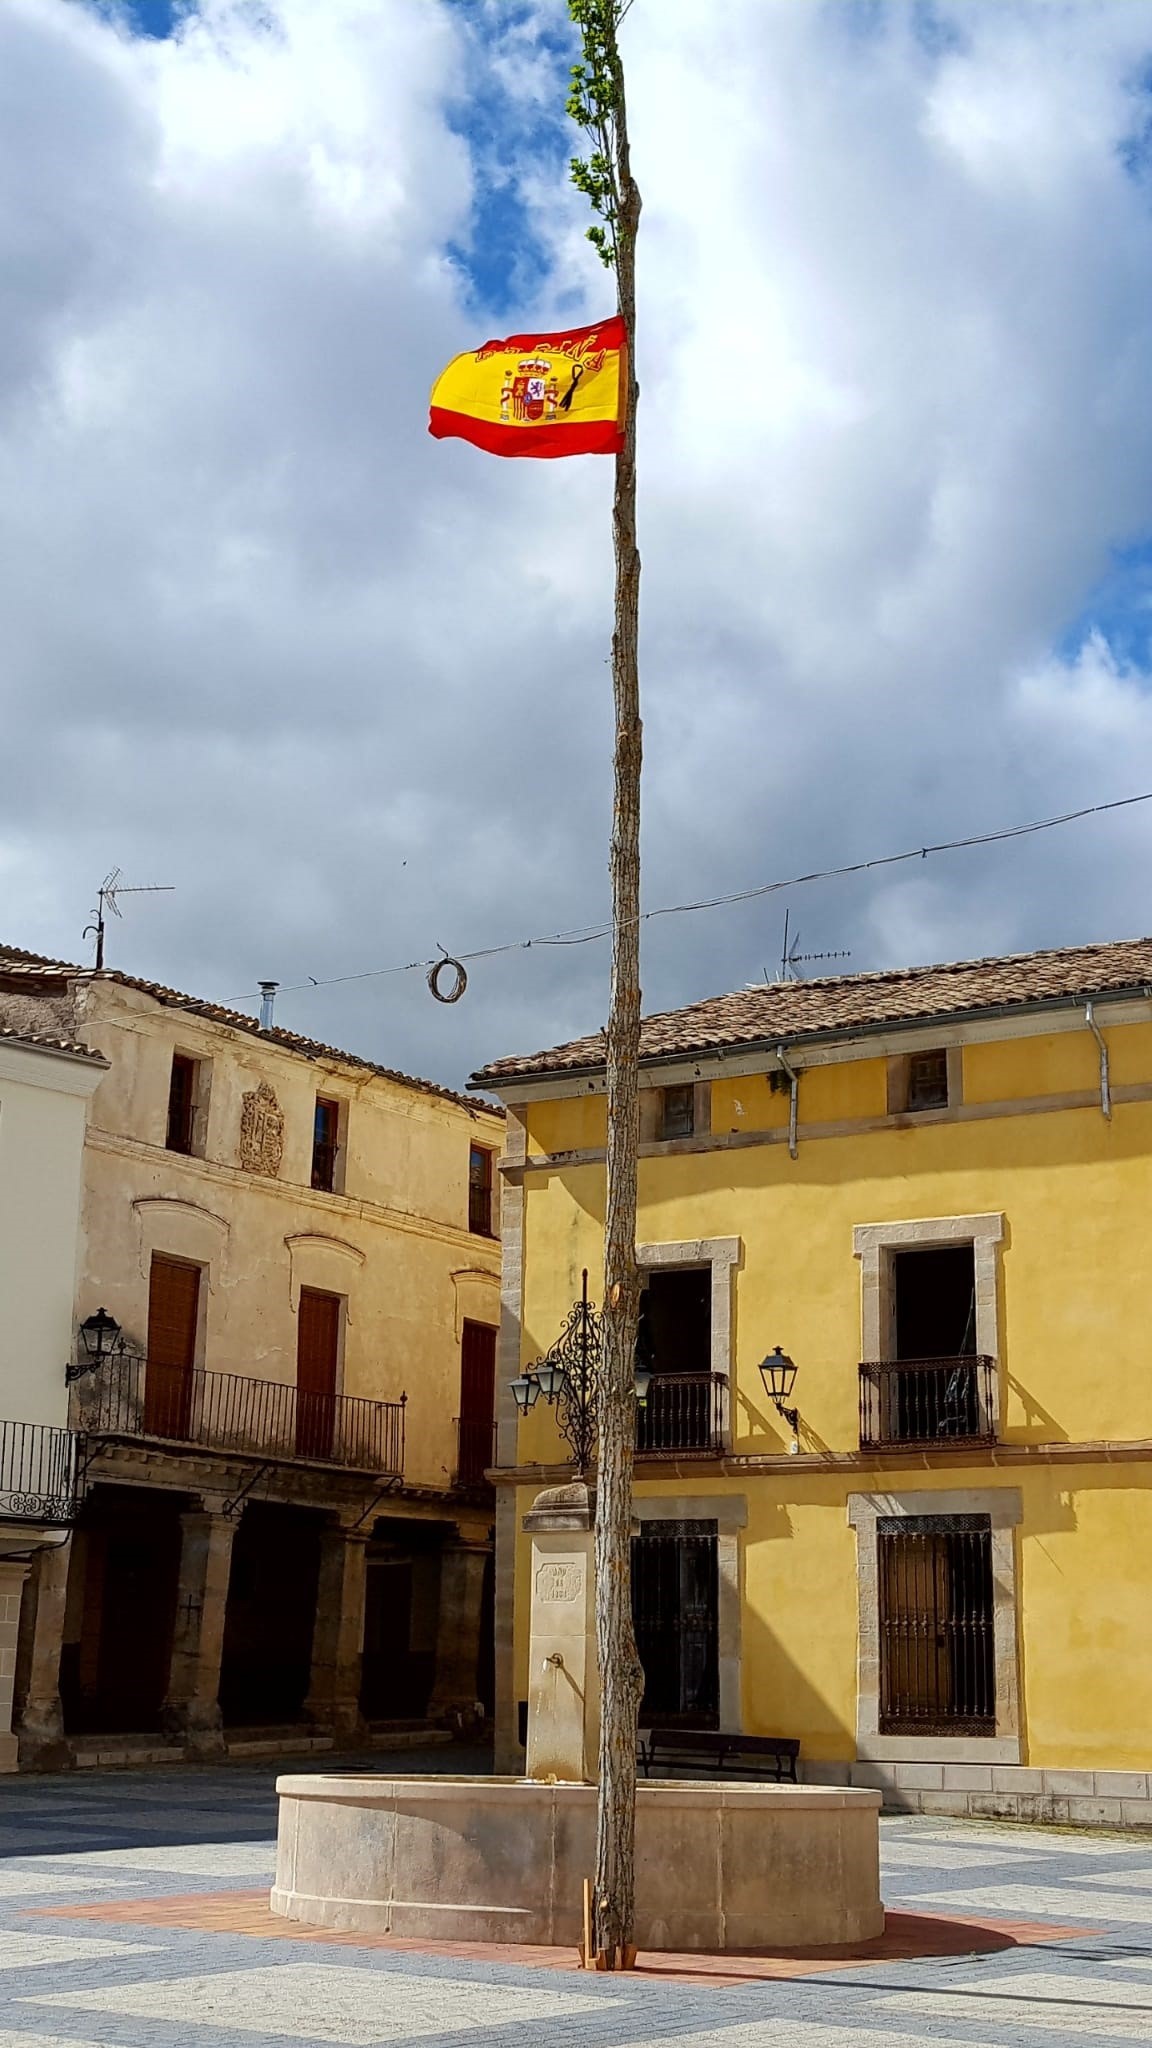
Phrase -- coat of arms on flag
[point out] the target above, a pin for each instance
(536, 394)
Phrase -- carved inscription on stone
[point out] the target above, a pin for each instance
(261, 1131)
(559, 1582)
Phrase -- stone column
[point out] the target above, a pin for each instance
(338, 1636)
(462, 1566)
(192, 1702)
(12, 1577)
(40, 1727)
(563, 1685)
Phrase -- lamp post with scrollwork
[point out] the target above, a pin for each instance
(568, 1376)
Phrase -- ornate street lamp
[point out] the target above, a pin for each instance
(779, 1376)
(101, 1338)
(568, 1377)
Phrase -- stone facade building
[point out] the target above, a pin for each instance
(915, 1536)
(282, 1391)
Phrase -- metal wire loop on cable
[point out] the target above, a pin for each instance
(459, 984)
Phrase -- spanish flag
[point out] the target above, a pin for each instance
(536, 394)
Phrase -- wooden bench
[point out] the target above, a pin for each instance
(744, 1756)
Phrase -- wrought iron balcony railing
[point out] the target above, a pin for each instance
(227, 1412)
(683, 1415)
(37, 1473)
(475, 1451)
(921, 1401)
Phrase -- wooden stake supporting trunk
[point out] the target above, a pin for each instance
(621, 1678)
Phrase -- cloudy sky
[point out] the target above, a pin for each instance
(346, 687)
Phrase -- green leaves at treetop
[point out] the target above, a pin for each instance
(595, 95)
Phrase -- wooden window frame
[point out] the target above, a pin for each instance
(334, 1185)
(678, 1125)
(481, 1229)
(196, 1112)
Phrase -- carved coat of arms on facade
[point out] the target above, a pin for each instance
(261, 1131)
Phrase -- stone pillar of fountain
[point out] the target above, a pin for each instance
(563, 1688)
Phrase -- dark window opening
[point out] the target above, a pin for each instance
(935, 1302)
(181, 1103)
(944, 1391)
(325, 1144)
(677, 1112)
(676, 1319)
(683, 1411)
(928, 1080)
(674, 1613)
(937, 1645)
(480, 1191)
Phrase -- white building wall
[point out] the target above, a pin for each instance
(43, 1106)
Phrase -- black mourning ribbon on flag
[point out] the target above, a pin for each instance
(566, 402)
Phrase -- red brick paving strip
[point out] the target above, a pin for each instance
(907, 1936)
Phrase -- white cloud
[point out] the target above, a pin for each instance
(347, 687)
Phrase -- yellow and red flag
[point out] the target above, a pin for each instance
(536, 394)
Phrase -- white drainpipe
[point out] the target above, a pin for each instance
(794, 1106)
(1105, 1090)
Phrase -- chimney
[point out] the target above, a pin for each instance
(267, 998)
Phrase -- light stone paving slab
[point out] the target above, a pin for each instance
(325, 2003)
(1048, 1840)
(20, 1951)
(195, 1859)
(1071, 2005)
(783, 2030)
(1043, 1902)
(907, 1855)
(1136, 1879)
(32, 1877)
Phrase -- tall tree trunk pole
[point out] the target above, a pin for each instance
(621, 1679)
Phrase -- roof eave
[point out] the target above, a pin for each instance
(885, 1027)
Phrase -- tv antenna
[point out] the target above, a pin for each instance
(792, 959)
(106, 899)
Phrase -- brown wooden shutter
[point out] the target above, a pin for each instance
(317, 1360)
(173, 1312)
(477, 1400)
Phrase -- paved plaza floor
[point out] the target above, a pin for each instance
(133, 1915)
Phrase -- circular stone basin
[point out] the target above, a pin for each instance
(718, 1866)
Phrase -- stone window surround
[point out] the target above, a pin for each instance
(729, 1511)
(1002, 1505)
(723, 1255)
(874, 1245)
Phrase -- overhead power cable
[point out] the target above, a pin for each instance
(583, 935)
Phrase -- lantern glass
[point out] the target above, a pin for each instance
(551, 1378)
(525, 1392)
(779, 1375)
(98, 1334)
(643, 1380)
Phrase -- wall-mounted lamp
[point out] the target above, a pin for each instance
(100, 1339)
(779, 1376)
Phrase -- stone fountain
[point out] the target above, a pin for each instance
(719, 1865)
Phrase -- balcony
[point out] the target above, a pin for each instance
(683, 1416)
(475, 1452)
(37, 1474)
(911, 1403)
(236, 1416)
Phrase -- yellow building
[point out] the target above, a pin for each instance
(932, 1189)
(281, 1376)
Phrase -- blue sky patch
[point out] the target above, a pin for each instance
(510, 132)
(1120, 608)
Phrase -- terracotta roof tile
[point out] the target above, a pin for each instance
(792, 1011)
(43, 1041)
(37, 968)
